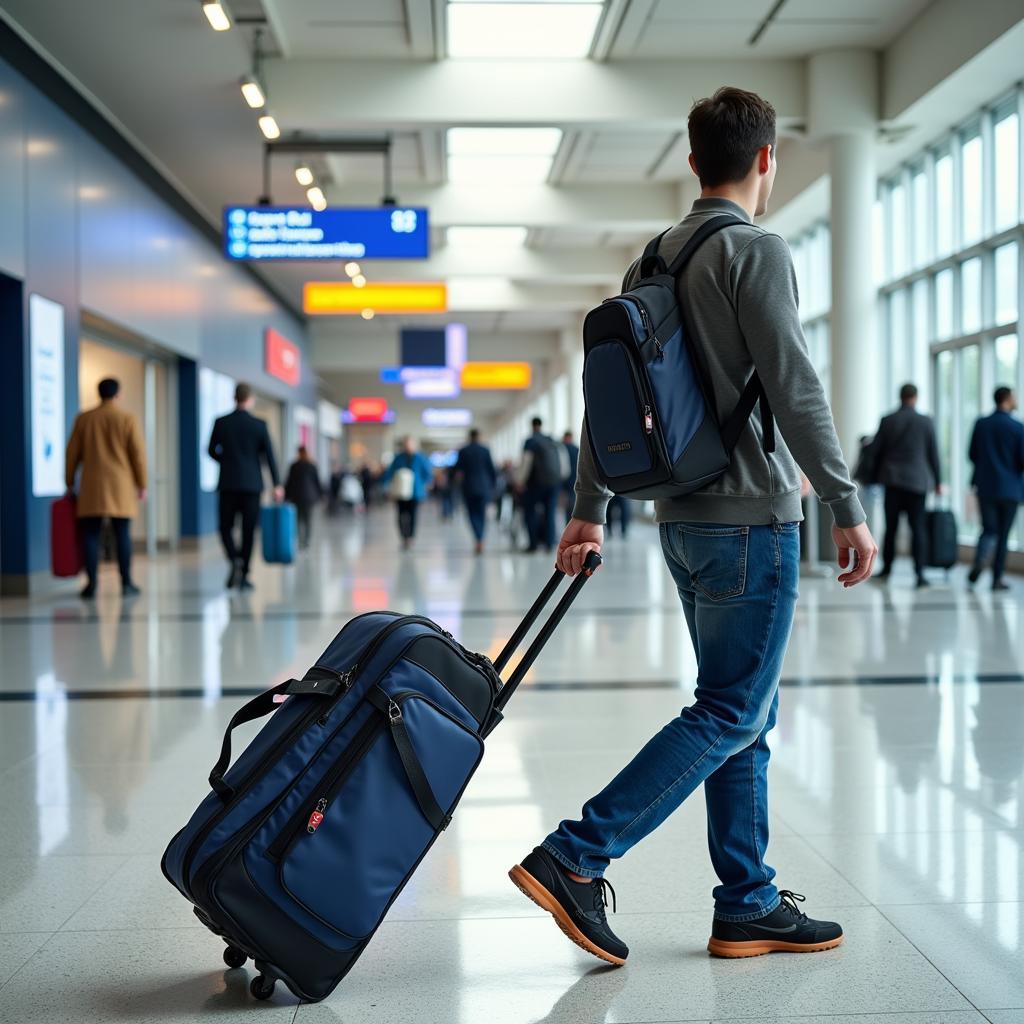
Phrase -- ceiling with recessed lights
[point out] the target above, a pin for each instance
(546, 139)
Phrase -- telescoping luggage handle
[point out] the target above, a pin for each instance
(590, 566)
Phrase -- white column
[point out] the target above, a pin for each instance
(842, 91)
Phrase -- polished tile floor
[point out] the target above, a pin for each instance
(897, 796)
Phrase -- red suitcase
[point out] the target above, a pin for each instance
(65, 541)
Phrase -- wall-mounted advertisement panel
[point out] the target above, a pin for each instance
(337, 233)
(46, 362)
(216, 398)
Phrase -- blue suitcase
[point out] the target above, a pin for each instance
(308, 838)
(277, 530)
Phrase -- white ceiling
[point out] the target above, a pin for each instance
(172, 85)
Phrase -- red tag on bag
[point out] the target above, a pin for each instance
(314, 821)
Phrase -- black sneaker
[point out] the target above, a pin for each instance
(1000, 585)
(235, 575)
(577, 907)
(129, 589)
(784, 930)
(974, 575)
(922, 583)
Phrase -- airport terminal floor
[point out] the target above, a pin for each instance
(897, 794)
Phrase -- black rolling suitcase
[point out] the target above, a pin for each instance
(940, 531)
(306, 840)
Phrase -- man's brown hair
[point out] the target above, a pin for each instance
(726, 131)
(242, 393)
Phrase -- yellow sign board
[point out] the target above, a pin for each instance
(342, 298)
(496, 376)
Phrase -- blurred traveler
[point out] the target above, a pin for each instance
(733, 552)
(407, 479)
(540, 476)
(620, 507)
(107, 443)
(304, 491)
(569, 483)
(368, 479)
(478, 479)
(906, 463)
(240, 442)
(997, 451)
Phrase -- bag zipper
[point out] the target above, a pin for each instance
(309, 816)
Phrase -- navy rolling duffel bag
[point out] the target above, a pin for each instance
(304, 843)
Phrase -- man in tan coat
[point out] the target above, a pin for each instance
(107, 443)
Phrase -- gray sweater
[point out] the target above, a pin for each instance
(739, 303)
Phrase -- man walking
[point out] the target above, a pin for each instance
(733, 552)
(997, 451)
(475, 470)
(241, 443)
(906, 458)
(107, 443)
(541, 475)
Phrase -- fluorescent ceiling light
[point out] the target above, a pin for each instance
(367, 314)
(316, 198)
(501, 156)
(496, 238)
(352, 268)
(541, 31)
(253, 92)
(216, 15)
(503, 141)
(269, 126)
(359, 281)
(489, 170)
(303, 175)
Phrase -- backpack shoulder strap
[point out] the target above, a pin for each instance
(753, 394)
(651, 263)
(698, 238)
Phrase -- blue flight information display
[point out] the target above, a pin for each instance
(337, 233)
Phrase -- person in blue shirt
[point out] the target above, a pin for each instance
(407, 480)
(997, 451)
(478, 478)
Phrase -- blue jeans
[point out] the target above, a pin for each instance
(476, 509)
(539, 504)
(738, 585)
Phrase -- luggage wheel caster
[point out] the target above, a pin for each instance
(234, 957)
(262, 987)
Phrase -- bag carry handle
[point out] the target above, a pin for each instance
(259, 706)
(590, 566)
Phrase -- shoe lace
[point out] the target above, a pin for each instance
(789, 901)
(601, 888)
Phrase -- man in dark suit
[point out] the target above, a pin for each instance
(238, 442)
(476, 473)
(907, 457)
(997, 451)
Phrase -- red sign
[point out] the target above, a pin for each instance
(282, 358)
(368, 410)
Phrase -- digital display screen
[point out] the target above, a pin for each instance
(257, 233)
(423, 346)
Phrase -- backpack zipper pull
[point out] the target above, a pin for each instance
(317, 816)
(648, 420)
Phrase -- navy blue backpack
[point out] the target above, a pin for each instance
(650, 414)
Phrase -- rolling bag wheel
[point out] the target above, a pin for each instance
(262, 987)
(234, 957)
